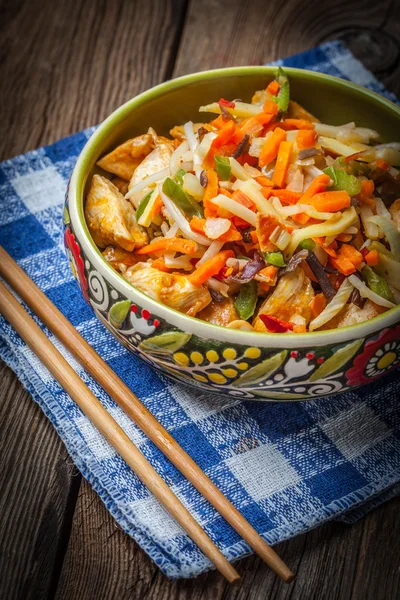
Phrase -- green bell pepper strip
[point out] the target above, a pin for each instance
(283, 97)
(308, 244)
(342, 181)
(246, 300)
(183, 201)
(377, 283)
(142, 205)
(179, 176)
(274, 258)
(223, 167)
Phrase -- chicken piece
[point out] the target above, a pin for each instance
(121, 184)
(119, 258)
(171, 289)
(124, 159)
(350, 315)
(111, 218)
(394, 210)
(219, 313)
(296, 111)
(291, 296)
(157, 160)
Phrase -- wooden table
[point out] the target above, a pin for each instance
(66, 65)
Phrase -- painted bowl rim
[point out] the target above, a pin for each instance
(182, 321)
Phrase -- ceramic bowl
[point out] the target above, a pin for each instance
(251, 365)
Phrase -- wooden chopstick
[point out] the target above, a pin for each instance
(130, 403)
(103, 421)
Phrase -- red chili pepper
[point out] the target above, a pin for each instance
(194, 261)
(226, 103)
(364, 251)
(275, 325)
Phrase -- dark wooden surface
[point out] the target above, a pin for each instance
(64, 66)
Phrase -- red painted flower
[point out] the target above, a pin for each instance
(378, 357)
(76, 261)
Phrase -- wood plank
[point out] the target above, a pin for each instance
(38, 484)
(67, 65)
(221, 33)
(333, 562)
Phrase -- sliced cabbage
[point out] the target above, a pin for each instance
(347, 133)
(141, 185)
(335, 305)
(235, 208)
(215, 227)
(367, 293)
(370, 228)
(390, 231)
(211, 251)
(181, 221)
(192, 186)
(332, 227)
(389, 269)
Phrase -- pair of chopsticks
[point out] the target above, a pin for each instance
(126, 399)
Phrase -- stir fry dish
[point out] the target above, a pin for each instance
(262, 218)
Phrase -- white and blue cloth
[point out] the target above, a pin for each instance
(286, 466)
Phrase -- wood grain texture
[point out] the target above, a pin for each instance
(38, 487)
(333, 562)
(65, 66)
(221, 33)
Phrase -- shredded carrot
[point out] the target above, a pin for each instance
(254, 125)
(290, 124)
(211, 267)
(169, 244)
(317, 185)
(270, 148)
(232, 235)
(352, 254)
(211, 191)
(301, 218)
(254, 236)
(264, 286)
(244, 200)
(264, 181)
(267, 192)
(367, 190)
(273, 88)
(282, 163)
(270, 107)
(317, 305)
(158, 203)
(159, 264)
(372, 258)
(229, 132)
(218, 123)
(286, 196)
(382, 164)
(330, 201)
(328, 249)
(343, 265)
(269, 273)
(306, 138)
(197, 224)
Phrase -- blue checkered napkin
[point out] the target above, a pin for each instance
(287, 467)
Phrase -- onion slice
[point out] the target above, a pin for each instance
(390, 231)
(182, 222)
(367, 293)
(334, 306)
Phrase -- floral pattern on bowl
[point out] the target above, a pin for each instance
(240, 370)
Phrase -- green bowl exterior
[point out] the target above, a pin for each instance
(244, 364)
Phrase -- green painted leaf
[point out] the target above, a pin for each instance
(166, 343)
(262, 370)
(279, 395)
(339, 358)
(66, 217)
(118, 313)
